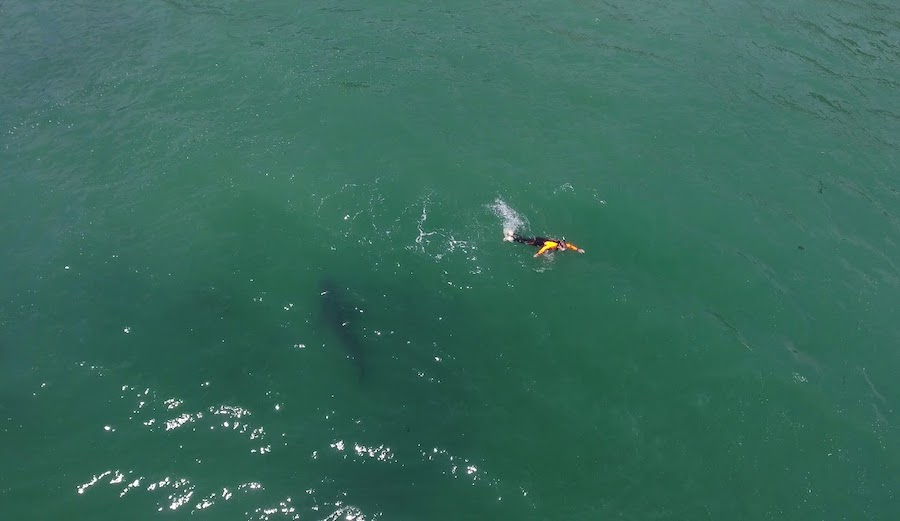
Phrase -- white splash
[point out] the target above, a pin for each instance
(381, 453)
(439, 243)
(511, 219)
(566, 187)
(422, 233)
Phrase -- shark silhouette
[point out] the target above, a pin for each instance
(338, 312)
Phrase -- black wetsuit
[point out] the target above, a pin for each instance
(532, 241)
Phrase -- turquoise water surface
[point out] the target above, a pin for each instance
(253, 262)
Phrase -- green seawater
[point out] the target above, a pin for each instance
(252, 260)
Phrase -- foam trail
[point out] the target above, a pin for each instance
(512, 220)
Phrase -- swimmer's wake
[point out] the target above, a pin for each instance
(511, 219)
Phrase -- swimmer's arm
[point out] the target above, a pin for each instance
(574, 248)
(542, 250)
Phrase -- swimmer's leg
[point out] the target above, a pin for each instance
(524, 240)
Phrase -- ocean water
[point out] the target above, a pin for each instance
(253, 265)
